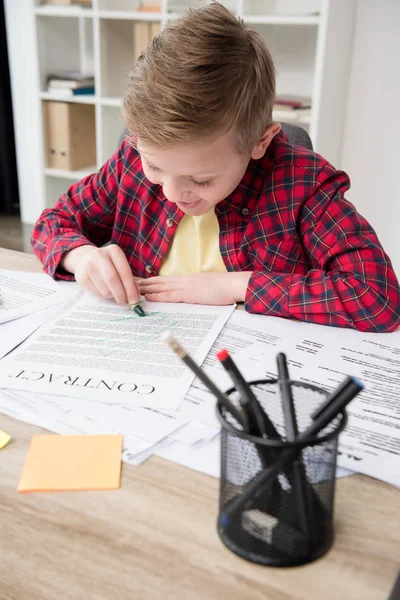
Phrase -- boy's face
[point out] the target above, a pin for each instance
(197, 176)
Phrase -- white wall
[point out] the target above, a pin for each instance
(371, 138)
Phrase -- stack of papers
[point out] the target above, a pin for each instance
(97, 368)
(26, 293)
(93, 367)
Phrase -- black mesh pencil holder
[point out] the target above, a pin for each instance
(276, 497)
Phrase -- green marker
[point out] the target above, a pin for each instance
(138, 310)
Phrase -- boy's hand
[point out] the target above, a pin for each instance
(199, 288)
(103, 271)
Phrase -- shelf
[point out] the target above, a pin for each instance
(85, 99)
(103, 39)
(64, 45)
(75, 175)
(128, 15)
(116, 102)
(281, 19)
(51, 10)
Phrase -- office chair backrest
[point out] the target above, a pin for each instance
(297, 135)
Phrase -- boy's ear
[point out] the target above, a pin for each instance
(263, 143)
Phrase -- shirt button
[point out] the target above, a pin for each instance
(245, 212)
(170, 222)
(148, 268)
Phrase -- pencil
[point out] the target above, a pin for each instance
(137, 309)
(222, 398)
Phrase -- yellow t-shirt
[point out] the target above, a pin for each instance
(195, 247)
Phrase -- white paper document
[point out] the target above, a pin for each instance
(324, 356)
(66, 416)
(100, 351)
(24, 293)
(241, 332)
(13, 333)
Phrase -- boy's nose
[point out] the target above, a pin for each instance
(172, 191)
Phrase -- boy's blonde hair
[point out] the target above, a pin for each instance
(203, 75)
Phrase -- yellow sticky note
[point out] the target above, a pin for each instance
(4, 438)
(72, 462)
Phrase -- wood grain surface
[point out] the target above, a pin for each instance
(156, 538)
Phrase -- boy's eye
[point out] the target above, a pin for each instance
(197, 183)
(201, 183)
(152, 167)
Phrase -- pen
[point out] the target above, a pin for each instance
(137, 309)
(335, 404)
(222, 398)
(300, 483)
(344, 388)
(259, 421)
(289, 412)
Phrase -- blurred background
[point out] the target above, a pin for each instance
(64, 66)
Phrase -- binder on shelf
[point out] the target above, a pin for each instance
(70, 135)
(143, 33)
(155, 29)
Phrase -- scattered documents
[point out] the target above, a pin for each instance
(101, 351)
(24, 293)
(74, 415)
(97, 368)
(72, 462)
(4, 439)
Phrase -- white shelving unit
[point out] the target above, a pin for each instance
(310, 41)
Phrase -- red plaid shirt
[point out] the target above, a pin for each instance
(313, 257)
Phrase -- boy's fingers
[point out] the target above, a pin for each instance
(120, 262)
(175, 296)
(107, 280)
(153, 281)
(90, 285)
(161, 284)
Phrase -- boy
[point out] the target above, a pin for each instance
(207, 202)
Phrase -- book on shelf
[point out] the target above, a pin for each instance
(292, 101)
(287, 108)
(70, 79)
(70, 93)
(149, 6)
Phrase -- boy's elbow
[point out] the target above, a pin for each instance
(384, 316)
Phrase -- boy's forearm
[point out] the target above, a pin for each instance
(86, 210)
(334, 298)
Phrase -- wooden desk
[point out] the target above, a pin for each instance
(155, 538)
